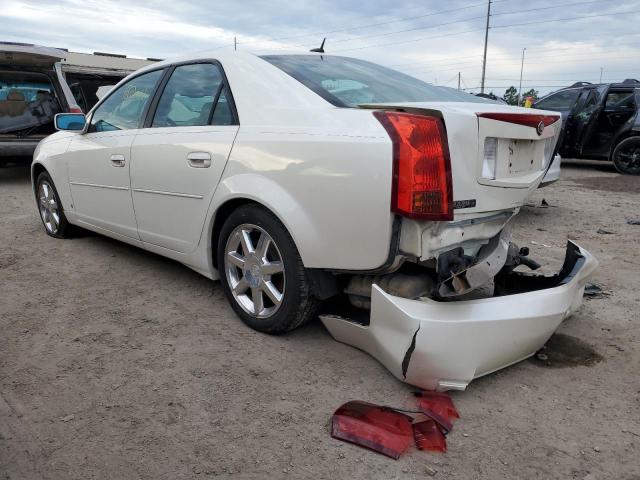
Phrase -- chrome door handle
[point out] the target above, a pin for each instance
(199, 159)
(117, 160)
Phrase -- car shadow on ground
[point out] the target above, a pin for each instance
(596, 165)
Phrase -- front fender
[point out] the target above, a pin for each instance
(48, 156)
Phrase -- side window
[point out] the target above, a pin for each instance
(189, 97)
(222, 115)
(78, 95)
(620, 101)
(124, 108)
(564, 100)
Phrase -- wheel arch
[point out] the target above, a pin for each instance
(36, 169)
(253, 188)
(621, 138)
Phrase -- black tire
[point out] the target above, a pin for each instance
(62, 227)
(298, 304)
(626, 156)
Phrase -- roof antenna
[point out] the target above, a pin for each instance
(321, 48)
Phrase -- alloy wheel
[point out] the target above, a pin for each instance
(254, 270)
(629, 157)
(48, 206)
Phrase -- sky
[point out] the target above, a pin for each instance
(565, 40)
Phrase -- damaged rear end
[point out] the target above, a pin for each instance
(455, 304)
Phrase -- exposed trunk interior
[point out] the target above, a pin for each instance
(28, 103)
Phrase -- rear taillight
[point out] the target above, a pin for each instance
(75, 110)
(422, 186)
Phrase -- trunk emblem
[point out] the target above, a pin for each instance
(540, 128)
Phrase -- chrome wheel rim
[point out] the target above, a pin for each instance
(48, 207)
(254, 270)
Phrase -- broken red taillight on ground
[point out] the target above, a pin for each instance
(381, 429)
(422, 186)
(428, 436)
(390, 431)
(439, 407)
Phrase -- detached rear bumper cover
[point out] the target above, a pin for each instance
(444, 345)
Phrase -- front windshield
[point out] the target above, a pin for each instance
(349, 82)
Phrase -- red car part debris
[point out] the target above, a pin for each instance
(381, 429)
(428, 436)
(389, 431)
(439, 407)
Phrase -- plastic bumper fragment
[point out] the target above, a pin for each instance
(444, 345)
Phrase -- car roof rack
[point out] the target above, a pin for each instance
(580, 84)
(630, 80)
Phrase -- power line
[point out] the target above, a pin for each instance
(498, 26)
(367, 25)
(566, 19)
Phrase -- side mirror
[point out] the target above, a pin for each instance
(69, 121)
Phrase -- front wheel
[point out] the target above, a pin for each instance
(50, 208)
(626, 156)
(261, 272)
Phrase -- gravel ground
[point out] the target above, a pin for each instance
(119, 364)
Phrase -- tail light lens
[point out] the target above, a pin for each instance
(75, 110)
(422, 186)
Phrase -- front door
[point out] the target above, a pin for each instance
(177, 161)
(99, 160)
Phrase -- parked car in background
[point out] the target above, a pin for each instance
(91, 74)
(38, 82)
(32, 91)
(300, 178)
(601, 122)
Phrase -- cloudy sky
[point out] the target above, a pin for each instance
(566, 40)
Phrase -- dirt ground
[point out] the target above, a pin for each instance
(119, 364)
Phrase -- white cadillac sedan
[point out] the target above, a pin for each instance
(298, 178)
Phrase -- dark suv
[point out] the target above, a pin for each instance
(601, 122)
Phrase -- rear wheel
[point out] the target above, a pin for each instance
(626, 156)
(53, 218)
(261, 272)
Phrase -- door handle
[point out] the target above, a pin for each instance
(199, 159)
(117, 160)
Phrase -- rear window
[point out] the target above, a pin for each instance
(27, 101)
(349, 82)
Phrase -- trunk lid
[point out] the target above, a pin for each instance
(499, 154)
(17, 54)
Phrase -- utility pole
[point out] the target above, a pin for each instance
(235, 43)
(458, 80)
(521, 69)
(601, 69)
(486, 40)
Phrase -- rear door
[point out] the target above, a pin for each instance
(179, 157)
(585, 118)
(99, 160)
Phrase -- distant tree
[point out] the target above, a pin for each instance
(511, 96)
(531, 93)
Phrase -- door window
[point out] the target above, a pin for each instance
(123, 109)
(621, 100)
(189, 98)
(563, 100)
